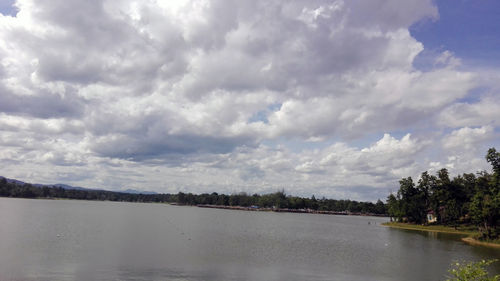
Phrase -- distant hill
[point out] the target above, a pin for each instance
(12, 181)
(278, 201)
(65, 186)
(133, 191)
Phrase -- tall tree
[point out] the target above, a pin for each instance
(412, 201)
(485, 206)
(426, 184)
(393, 208)
(493, 157)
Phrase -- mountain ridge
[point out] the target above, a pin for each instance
(70, 187)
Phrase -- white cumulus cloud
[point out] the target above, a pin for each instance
(229, 96)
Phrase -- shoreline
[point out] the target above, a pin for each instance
(283, 210)
(237, 208)
(440, 229)
(469, 239)
(474, 242)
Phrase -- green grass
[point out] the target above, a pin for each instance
(492, 241)
(465, 230)
(468, 230)
(487, 243)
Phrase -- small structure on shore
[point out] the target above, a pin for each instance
(431, 217)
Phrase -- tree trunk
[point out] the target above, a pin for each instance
(486, 229)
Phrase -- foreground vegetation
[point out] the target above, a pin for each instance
(464, 200)
(472, 271)
(274, 200)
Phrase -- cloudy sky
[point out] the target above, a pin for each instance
(333, 98)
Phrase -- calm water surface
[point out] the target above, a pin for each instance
(90, 240)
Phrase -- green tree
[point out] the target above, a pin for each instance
(493, 157)
(453, 212)
(313, 203)
(412, 203)
(426, 184)
(380, 207)
(440, 196)
(485, 206)
(464, 190)
(393, 208)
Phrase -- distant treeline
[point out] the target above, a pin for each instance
(273, 200)
(465, 199)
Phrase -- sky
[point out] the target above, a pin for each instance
(339, 99)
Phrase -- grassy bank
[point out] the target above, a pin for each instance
(470, 231)
(464, 230)
(473, 241)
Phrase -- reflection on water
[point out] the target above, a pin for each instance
(434, 235)
(85, 240)
(452, 242)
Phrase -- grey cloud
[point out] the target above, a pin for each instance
(295, 54)
(73, 176)
(485, 111)
(390, 15)
(65, 159)
(221, 18)
(140, 148)
(107, 47)
(251, 173)
(42, 105)
(74, 67)
(87, 23)
(360, 193)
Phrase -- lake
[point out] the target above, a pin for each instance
(93, 240)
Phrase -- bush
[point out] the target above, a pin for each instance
(472, 271)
